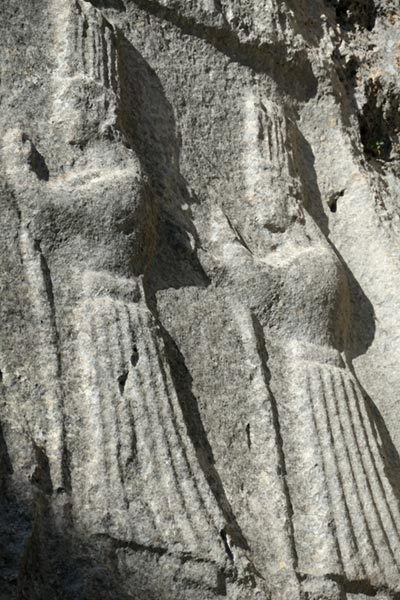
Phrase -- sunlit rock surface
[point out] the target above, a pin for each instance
(200, 299)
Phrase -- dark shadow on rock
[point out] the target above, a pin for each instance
(389, 452)
(307, 17)
(304, 167)
(42, 557)
(361, 331)
(379, 122)
(148, 124)
(189, 405)
(293, 74)
(57, 564)
(15, 530)
(115, 4)
(5, 462)
(351, 14)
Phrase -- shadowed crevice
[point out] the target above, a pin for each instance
(115, 4)
(147, 121)
(262, 351)
(191, 414)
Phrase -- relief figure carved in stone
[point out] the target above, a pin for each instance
(87, 233)
(280, 267)
(124, 463)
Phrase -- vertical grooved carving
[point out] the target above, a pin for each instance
(389, 536)
(391, 504)
(360, 522)
(356, 459)
(145, 453)
(346, 546)
(317, 515)
(86, 68)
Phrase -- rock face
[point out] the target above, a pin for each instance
(200, 290)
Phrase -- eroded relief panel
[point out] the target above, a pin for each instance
(183, 415)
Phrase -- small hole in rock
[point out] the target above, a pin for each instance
(122, 381)
(36, 161)
(1, 376)
(135, 356)
(333, 200)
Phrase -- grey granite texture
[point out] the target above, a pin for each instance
(200, 300)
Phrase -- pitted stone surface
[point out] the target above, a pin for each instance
(199, 274)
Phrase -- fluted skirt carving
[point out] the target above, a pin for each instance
(136, 443)
(346, 512)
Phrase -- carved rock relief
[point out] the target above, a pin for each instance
(129, 449)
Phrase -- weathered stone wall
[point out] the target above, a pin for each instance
(199, 270)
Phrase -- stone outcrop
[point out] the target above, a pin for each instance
(199, 348)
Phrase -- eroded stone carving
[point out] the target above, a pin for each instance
(290, 288)
(84, 234)
(205, 436)
(345, 508)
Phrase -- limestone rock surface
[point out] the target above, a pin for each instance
(200, 300)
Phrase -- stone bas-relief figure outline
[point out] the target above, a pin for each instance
(345, 512)
(104, 362)
(133, 475)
